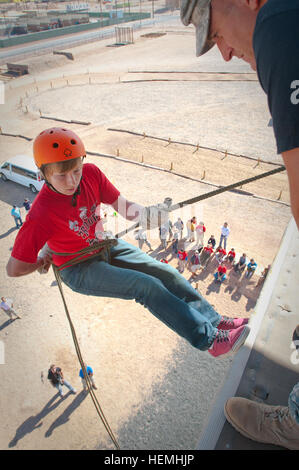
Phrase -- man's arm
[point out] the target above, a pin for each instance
(291, 161)
(149, 217)
(16, 268)
(127, 209)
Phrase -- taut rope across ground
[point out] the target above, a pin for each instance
(211, 194)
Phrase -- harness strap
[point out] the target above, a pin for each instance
(99, 247)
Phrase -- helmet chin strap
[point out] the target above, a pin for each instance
(76, 193)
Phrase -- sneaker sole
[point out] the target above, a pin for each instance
(237, 428)
(242, 338)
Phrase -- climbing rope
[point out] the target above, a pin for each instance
(106, 245)
(225, 188)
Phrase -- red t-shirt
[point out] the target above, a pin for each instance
(222, 269)
(232, 253)
(65, 228)
(208, 249)
(182, 255)
(221, 250)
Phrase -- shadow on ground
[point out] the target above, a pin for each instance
(35, 422)
(174, 410)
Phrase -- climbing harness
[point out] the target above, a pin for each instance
(104, 247)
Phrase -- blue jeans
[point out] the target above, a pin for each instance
(249, 273)
(223, 238)
(294, 403)
(132, 274)
(219, 278)
(18, 221)
(67, 384)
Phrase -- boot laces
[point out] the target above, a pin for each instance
(279, 413)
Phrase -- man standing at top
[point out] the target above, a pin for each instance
(224, 234)
(265, 34)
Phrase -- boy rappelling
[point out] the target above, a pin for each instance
(66, 216)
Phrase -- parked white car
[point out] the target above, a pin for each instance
(22, 169)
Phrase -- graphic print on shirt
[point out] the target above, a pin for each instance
(86, 228)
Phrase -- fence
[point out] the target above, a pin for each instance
(124, 35)
(53, 33)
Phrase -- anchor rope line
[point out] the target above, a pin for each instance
(106, 245)
(209, 194)
(225, 188)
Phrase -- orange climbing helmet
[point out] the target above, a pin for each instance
(55, 145)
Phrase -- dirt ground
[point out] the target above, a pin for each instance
(155, 390)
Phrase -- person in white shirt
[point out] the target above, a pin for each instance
(200, 232)
(7, 307)
(142, 238)
(224, 234)
(179, 225)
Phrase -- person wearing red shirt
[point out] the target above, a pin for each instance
(200, 232)
(205, 255)
(65, 217)
(231, 256)
(182, 259)
(220, 254)
(220, 275)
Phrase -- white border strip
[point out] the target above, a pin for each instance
(217, 419)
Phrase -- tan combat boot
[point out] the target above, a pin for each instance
(263, 423)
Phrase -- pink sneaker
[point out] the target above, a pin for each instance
(228, 323)
(229, 341)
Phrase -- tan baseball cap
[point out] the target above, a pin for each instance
(197, 12)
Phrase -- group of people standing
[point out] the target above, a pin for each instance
(200, 258)
(202, 254)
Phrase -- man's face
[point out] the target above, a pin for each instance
(231, 28)
(65, 182)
